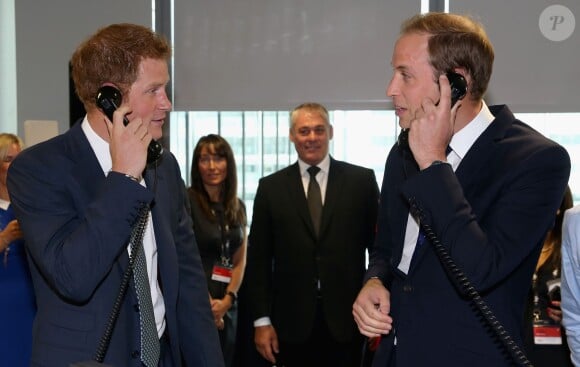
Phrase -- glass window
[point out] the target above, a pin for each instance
(261, 145)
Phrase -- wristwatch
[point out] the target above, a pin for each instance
(435, 163)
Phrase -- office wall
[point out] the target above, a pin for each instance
(274, 54)
(47, 33)
(537, 48)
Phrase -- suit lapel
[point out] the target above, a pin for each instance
(154, 179)
(410, 166)
(401, 206)
(89, 176)
(477, 159)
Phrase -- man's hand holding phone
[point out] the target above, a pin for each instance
(128, 144)
(431, 131)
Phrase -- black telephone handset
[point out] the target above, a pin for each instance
(458, 87)
(108, 99)
(458, 91)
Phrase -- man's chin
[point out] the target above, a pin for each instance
(404, 124)
(156, 133)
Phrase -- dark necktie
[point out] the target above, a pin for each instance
(314, 198)
(150, 347)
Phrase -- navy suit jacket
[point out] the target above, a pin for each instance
(77, 223)
(285, 257)
(491, 215)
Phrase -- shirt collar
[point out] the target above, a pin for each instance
(464, 138)
(324, 165)
(99, 145)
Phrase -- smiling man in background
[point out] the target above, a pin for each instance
(312, 223)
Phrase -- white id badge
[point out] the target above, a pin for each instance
(221, 273)
(547, 335)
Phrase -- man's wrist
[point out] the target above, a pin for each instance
(436, 162)
(376, 279)
(136, 179)
(129, 176)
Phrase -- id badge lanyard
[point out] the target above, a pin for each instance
(546, 331)
(222, 269)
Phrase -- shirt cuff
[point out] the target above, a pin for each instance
(262, 321)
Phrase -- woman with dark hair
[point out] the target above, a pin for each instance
(545, 339)
(219, 223)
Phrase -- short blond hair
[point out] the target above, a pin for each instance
(6, 141)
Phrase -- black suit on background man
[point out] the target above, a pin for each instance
(304, 283)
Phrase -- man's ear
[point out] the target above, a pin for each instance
(330, 132)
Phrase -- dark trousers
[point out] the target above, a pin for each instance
(386, 354)
(321, 349)
(228, 335)
(165, 359)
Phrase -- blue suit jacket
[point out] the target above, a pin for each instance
(77, 223)
(492, 215)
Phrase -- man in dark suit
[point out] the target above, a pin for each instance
(304, 270)
(78, 197)
(489, 201)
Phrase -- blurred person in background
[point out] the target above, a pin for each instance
(544, 337)
(571, 281)
(17, 302)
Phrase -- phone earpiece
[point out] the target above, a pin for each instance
(108, 100)
(458, 86)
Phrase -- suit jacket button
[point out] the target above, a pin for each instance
(135, 354)
(407, 288)
(136, 307)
